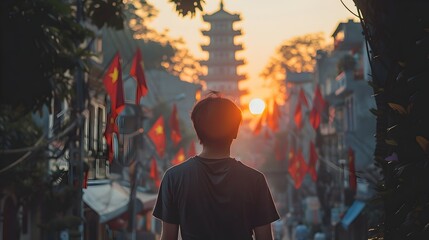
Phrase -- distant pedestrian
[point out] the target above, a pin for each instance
(278, 229)
(319, 236)
(212, 196)
(289, 223)
(301, 232)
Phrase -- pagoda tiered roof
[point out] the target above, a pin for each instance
(223, 32)
(219, 47)
(221, 15)
(227, 62)
(223, 78)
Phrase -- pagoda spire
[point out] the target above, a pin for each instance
(222, 63)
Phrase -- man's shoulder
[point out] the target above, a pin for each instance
(249, 170)
(181, 167)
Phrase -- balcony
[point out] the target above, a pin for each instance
(343, 83)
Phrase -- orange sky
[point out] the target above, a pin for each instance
(266, 24)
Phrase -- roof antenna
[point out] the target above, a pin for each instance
(221, 4)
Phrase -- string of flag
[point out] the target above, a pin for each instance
(297, 166)
(113, 83)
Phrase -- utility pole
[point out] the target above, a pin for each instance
(76, 146)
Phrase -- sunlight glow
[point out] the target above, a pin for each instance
(256, 106)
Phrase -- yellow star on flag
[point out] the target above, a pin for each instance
(159, 130)
(114, 75)
(181, 158)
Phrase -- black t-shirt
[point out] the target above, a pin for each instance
(215, 199)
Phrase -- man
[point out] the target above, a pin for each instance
(213, 196)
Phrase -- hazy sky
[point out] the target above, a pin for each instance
(266, 24)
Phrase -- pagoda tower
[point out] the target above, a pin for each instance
(222, 63)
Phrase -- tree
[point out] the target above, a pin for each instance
(294, 55)
(42, 45)
(160, 50)
(397, 33)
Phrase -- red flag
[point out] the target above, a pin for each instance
(261, 120)
(315, 118)
(302, 98)
(137, 72)
(318, 101)
(267, 134)
(273, 121)
(113, 83)
(176, 137)
(298, 116)
(154, 172)
(352, 170)
(111, 128)
(319, 105)
(297, 168)
(85, 179)
(258, 126)
(157, 135)
(192, 151)
(179, 158)
(312, 162)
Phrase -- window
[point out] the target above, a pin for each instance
(92, 127)
(100, 124)
(98, 44)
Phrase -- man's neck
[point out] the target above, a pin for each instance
(215, 152)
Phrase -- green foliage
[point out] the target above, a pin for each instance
(297, 54)
(398, 35)
(185, 7)
(42, 44)
(347, 62)
(105, 13)
(38, 47)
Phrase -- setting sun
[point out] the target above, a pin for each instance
(256, 106)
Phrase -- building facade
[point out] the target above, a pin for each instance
(347, 129)
(222, 62)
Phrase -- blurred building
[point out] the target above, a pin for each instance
(343, 76)
(108, 197)
(347, 128)
(222, 62)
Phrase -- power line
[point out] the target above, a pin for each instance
(39, 144)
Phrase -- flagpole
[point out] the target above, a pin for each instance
(76, 147)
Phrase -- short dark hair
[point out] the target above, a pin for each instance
(216, 119)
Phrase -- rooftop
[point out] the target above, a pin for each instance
(221, 15)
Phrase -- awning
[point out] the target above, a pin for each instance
(111, 200)
(352, 213)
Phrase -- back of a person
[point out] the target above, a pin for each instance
(212, 196)
(216, 198)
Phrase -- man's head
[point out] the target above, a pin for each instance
(216, 120)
